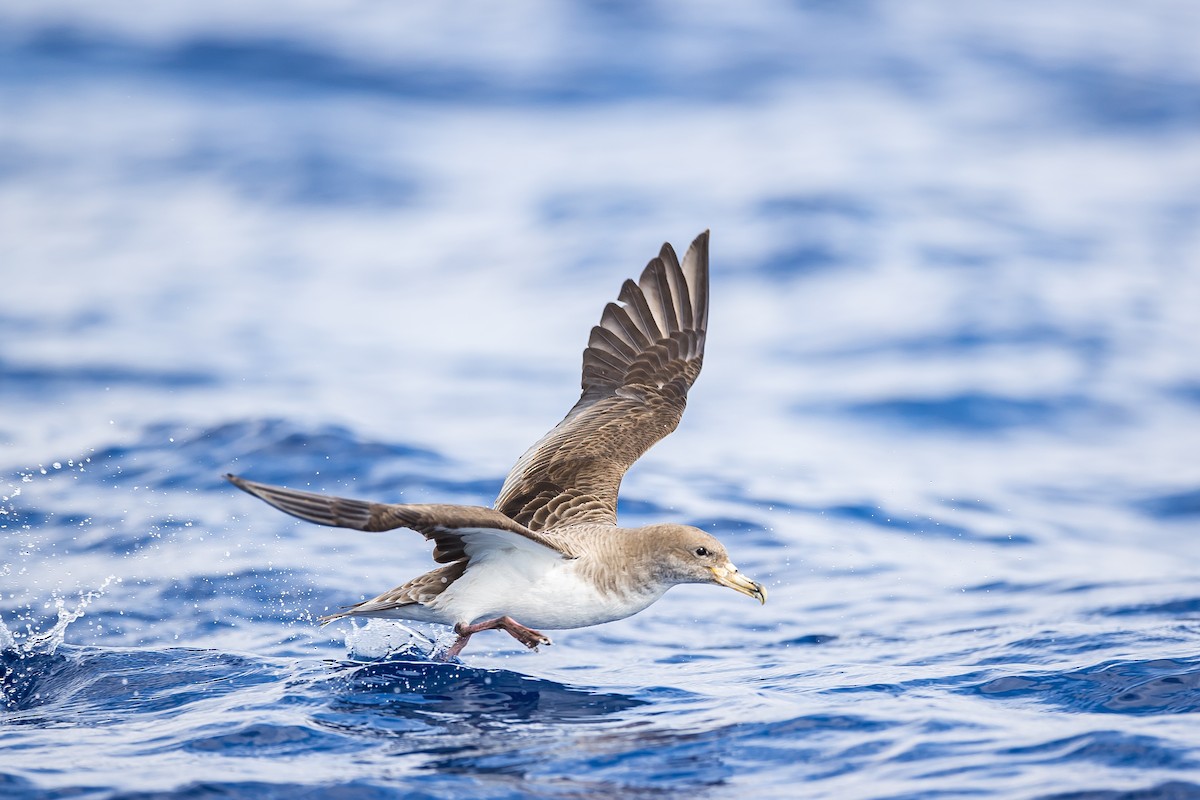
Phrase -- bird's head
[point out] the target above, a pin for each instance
(689, 555)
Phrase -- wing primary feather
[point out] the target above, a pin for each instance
(639, 311)
(657, 289)
(617, 320)
(695, 270)
(443, 524)
(680, 297)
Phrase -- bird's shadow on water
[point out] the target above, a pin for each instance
(412, 688)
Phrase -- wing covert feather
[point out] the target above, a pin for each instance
(638, 366)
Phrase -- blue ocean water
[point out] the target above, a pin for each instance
(949, 415)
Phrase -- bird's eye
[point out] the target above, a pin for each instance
(701, 551)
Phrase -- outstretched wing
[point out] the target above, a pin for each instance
(638, 366)
(458, 532)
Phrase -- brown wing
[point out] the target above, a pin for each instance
(451, 528)
(638, 366)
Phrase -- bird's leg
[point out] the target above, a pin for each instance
(526, 636)
(459, 643)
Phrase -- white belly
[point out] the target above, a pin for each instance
(538, 594)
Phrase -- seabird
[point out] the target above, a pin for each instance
(550, 553)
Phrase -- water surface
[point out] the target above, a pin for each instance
(948, 414)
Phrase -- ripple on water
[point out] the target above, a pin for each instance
(88, 686)
(1140, 688)
(989, 414)
(1112, 748)
(1172, 506)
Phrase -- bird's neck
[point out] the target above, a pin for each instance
(640, 570)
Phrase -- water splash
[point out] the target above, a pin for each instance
(377, 641)
(48, 641)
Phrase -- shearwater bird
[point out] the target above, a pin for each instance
(550, 553)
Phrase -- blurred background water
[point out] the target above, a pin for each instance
(949, 410)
